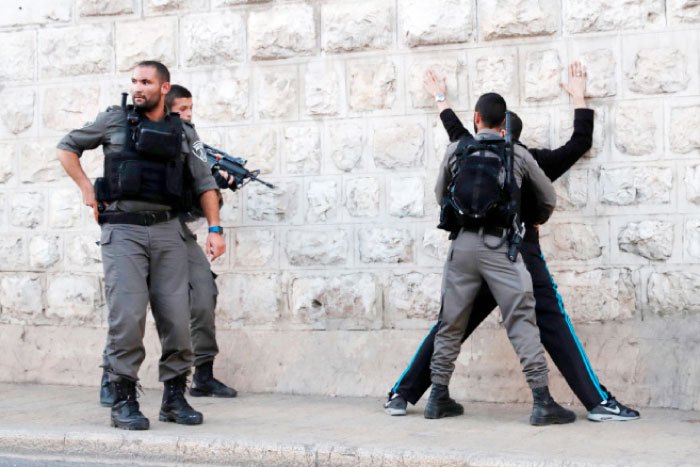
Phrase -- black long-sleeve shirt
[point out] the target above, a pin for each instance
(554, 162)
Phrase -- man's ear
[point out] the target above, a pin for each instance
(165, 88)
(477, 118)
(503, 132)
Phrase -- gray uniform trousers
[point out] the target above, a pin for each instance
(469, 262)
(203, 293)
(143, 264)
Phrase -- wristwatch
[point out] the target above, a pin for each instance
(440, 97)
(216, 229)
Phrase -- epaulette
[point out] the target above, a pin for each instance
(114, 108)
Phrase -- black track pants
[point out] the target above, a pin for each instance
(556, 332)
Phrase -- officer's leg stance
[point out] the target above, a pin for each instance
(203, 293)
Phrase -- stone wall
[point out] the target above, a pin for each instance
(332, 278)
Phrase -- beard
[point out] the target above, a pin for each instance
(146, 104)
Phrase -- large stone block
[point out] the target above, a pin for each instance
(249, 299)
(254, 247)
(347, 302)
(684, 129)
(362, 197)
(283, 32)
(413, 298)
(648, 239)
(691, 238)
(631, 186)
(106, 7)
(495, 72)
(658, 71)
(683, 11)
(516, 18)
(82, 253)
(322, 200)
(223, 100)
(152, 39)
(256, 145)
(674, 293)
(406, 197)
(572, 190)
(228, 3)
(66, 108)
(443, 67)
(346, 144)
(215, 39)
(323, 88)
(21, 296)
(21, 13)
(536, 129)
(44, 251)
(18, 55)
(38, 162)
(542, 75)
(692, 184)
(159, 7)
(317, 248)
(444, 22)
(18, 109)
(13, 252)
(436, 243)
(601, 79)
(635, 129)
(64, 208)
(82, 50)
(276, 205)
(600, 129)
(302, 149)
(277, 93)
(565, 242)
(356, 26)
(612, 15)
(598, 295)
(385, 245)
(399, 146)
(26, 209)
(372, 85)
(73, 298)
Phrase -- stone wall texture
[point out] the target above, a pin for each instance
(332, 278)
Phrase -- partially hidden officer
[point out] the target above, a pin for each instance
(470, 178)
(149, 160)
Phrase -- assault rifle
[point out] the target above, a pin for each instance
(234, 166)
(518, 227)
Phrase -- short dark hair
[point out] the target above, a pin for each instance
(161, 70)
(176, 92)
(516, 126)
(492, 108)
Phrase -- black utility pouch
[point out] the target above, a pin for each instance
(130, 178)
(173, 177)
(102, 189)
(159, 140)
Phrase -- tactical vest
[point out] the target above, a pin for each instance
(150, 167)
(483, 191)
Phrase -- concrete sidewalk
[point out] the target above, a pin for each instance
(56, 424)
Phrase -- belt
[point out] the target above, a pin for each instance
(495, 231)
(144, 218)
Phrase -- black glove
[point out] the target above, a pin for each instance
(221, 181)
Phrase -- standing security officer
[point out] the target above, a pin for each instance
(149, 162)
(478, 253)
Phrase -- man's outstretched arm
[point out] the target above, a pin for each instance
(555, 162)
(434, 86)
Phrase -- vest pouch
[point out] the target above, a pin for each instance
(174, 177)
(159, 140)
(102, 189)
(129, 173)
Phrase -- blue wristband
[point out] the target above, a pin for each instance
(216, 229)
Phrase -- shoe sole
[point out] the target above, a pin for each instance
(167, 417)
(551, 421)
(395, 412)
(140, 426)
(610, 418)
(434, 415)
(200, 393)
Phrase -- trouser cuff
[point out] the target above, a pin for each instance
(440, 379)
(539, 382)
(198, 361)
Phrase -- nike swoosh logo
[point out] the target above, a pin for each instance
(616, 410)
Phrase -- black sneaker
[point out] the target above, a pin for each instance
(395, 405)
(612, 410)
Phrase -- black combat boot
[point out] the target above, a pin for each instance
(204, 384)
(441, 405)
(545, 411)
(106, 391)
(174, 407)
(125, 411)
